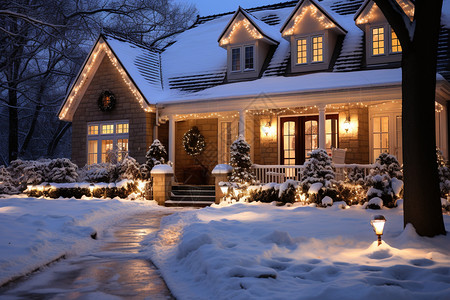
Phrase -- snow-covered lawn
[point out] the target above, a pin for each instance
(254, 251)
(35, 231)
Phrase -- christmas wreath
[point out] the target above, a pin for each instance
(193, 142)
(106, 101)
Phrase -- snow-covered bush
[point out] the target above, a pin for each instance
(351, 193)
(444, 174)
(129, 169)
(318, 169)
(272, 192)
(29, 171)
(241, 162)
(61, 170)
(7, 184)
(384, 180)
(156, 155)
(355, 175)
(103, 172)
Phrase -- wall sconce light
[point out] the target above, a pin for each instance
(378, 226)
(266, 128)
(346, 125)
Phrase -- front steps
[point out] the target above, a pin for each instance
(192, 195)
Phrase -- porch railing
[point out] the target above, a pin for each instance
(280, 173)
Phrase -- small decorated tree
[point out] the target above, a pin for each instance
(444, 174)
(318, 173)
(241, 162)
(156, 155)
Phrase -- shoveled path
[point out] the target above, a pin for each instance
(115, 271)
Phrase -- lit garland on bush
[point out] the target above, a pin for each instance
(193, 142)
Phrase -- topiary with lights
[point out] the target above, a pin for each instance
(241, 162)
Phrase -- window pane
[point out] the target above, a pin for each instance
(107, 148)
(385, 124)
(376, 140)
(108, 129)
(301, 51)
(122, 128)
(93, 129)
(376, 124)
(289, 142)
(249, 58)
(396, 47)
(92, 152)
(317, 46)
(377, 41)
(384, 141)
(122, 147)
(236, 59)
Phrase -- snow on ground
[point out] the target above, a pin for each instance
(251, 251)
(36, 231)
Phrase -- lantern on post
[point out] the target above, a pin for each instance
(377, 223)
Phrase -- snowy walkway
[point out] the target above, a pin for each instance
(115, 271)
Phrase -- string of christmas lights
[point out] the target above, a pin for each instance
(252, 30)
(314, 12)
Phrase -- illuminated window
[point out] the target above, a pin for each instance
(93, 129)
(236, 59)
(289, 143)
(122, 147)
(301, 51)
(311, 136)
(108, 129)
(122, 128)
(92, 152)
(111, 145)
(317, 48)
(380, 136)
(377, 41)
(249, 58)
(331, 132)
(396, 47)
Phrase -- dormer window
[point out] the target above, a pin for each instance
(313, 34)
(384, 42)
(247, 41)
(395, 43)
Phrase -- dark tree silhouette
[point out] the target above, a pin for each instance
(419, 41)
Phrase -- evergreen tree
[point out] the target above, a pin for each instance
(241, 162)
(129, 169)
(317, 169)
(61, 170)
(7, 184)
(444, 174)
(156, 155)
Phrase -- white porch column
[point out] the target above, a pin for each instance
(322, 127)
(172, 139)
(242, 122)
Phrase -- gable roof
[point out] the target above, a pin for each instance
(324, 12)
(139, 67)
(402, 3)
(265, 30)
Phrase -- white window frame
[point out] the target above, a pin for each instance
(242, 58)
(99, 137)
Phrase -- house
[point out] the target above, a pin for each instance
(290, 77)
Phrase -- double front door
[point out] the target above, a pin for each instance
(300, 135)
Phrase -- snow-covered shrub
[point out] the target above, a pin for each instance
(61, 170)
(156, 155)
(444, 174)
(384, 180)
(351, 193)
(318, 169)
(287, 192)
(7, 184)
(241, 162)
(129, 169)
(268, 195)
(29, 171)
(103, 172)
(355, 175)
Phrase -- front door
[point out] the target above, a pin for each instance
(300, 135)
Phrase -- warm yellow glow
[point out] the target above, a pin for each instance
(378, 224)
(243, 23)
(317, 46)
(91, 188)
(395, 42)
(141, 185)
(407, 6)
(378, 41)
(346, 125)
(315, 13)
(301, 51)
(266, 128)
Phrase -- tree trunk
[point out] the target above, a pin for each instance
(422, 206)
(13, 140)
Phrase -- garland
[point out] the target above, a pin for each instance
(193, 142)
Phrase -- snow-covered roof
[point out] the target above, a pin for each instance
(141, 63)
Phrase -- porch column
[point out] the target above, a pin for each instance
(172, 139)
(322, 127)
(242, 122)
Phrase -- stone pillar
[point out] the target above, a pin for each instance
(242, 122)
(220, 173)
(162, 183)
(322, 133)
(172, 139)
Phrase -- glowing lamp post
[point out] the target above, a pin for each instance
(91, 189)
(378, 225)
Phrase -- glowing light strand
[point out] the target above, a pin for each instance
(247, 25)
(314, 11)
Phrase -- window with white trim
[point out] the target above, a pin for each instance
(235, 59)
(317, 48)
(302, 54)
(249, 58)
(246, 59)
(310, 49)
(378, 40)
(107, 141)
